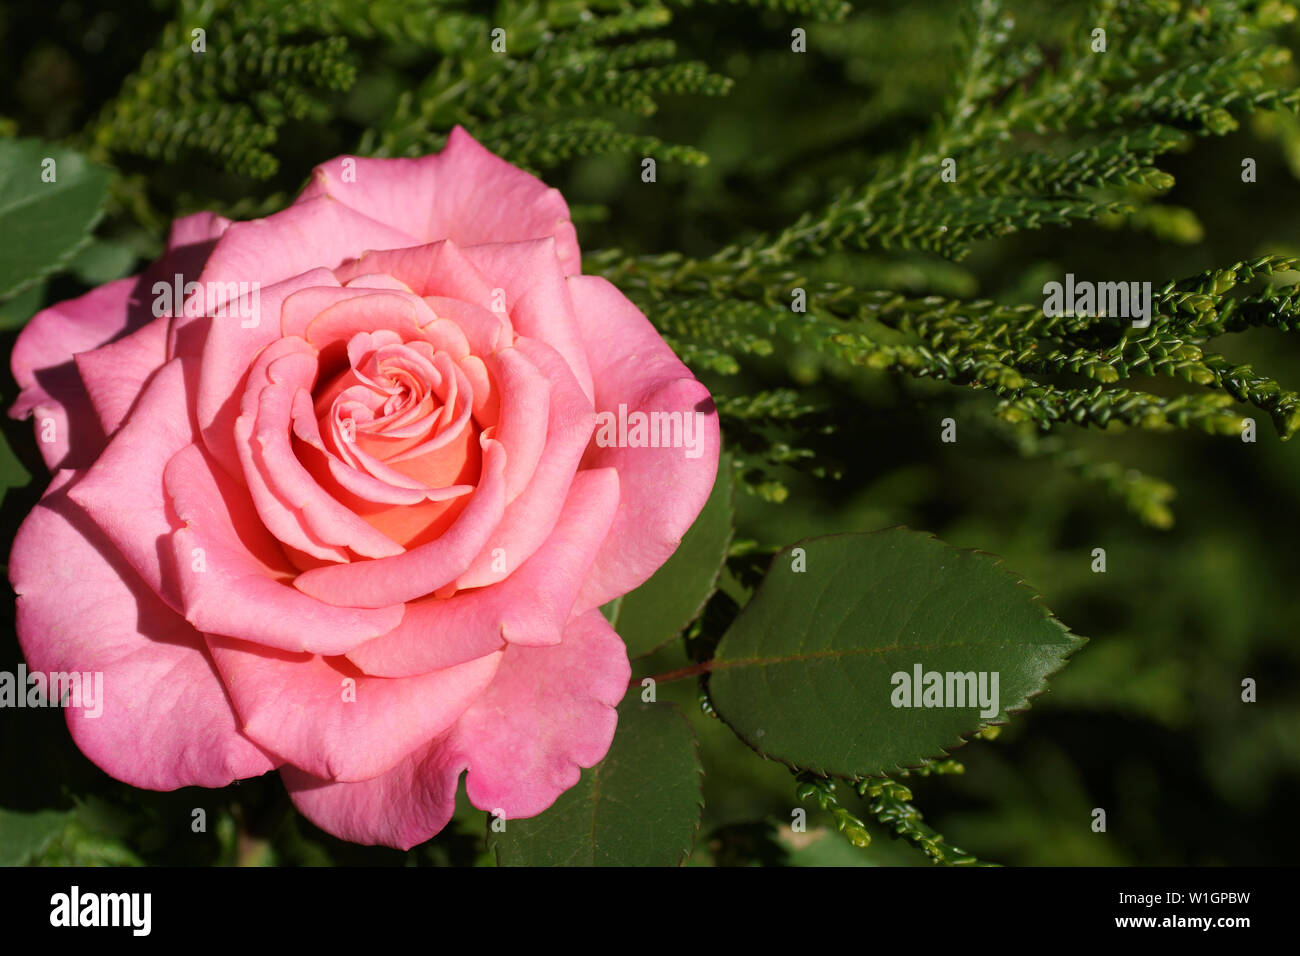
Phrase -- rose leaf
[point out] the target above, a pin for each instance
(840, 663)
(50, 199)
(640, 806)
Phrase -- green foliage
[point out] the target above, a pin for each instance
(25, 835)
(1036, 140)
(50, 199)
(889, 802)
(640, 806)
(806, 673)
(822, 791)
(18, 308)
(12, 472)
(525, 79)
(227, 102)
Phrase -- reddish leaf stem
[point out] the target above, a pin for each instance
(695, 669)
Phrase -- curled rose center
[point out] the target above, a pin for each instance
(399, 441)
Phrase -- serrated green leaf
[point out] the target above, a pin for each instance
(805, 674)
(43, 224)
(640, 806)
(659, 610)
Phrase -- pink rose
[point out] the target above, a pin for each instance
(350, 512)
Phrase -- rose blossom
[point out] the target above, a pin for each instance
(360, 532)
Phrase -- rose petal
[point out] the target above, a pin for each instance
(166, 721)
(525, 397)
(530, 607)
(190, 242)
(405, 806)
(377, 280)
(310, 234)
(233, 581)
(486, 331)
(437, 269)
(548, 713)
(529, 519)
(42, 360)
(465, 193)
(51, 386)
(328, 719)
(229, 350)
(324, 317)
(423, 569)
(661, 489)
(536, 297)
(291, 502)
(123, 491)
(114, 375)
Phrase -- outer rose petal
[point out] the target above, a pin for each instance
(42, 357)
(313, 234)
(405, 806)
(123, 491)
(465, 193)
(114, 375)
(295, 704)
(662, 489)
(190, 243)
(166, 719)
(548, 712)
(51, 388)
